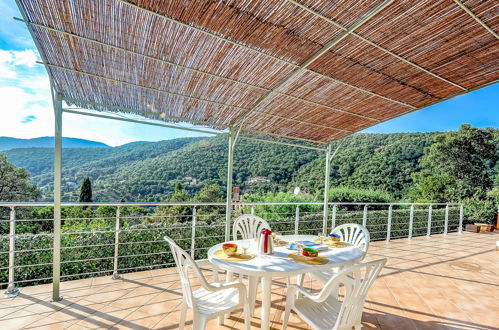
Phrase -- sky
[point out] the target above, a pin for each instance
(26, 110)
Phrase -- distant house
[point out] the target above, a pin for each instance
(189, 180)
(72, 185)
(258, 179)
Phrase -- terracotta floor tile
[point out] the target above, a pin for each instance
(48, 323)
(428, 283)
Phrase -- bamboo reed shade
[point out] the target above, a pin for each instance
(218, 62)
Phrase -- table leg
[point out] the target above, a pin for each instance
(266, 297)
(252, 286)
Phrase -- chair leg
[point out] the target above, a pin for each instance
(299, 281)
(214, 269)
(229, 278)
(252, 288)
(247, 316)
(198, 322)
(287, 312)
(183, 312)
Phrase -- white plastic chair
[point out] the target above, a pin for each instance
(209, 301)
(248, 226)
(352, 233)
(324, 310)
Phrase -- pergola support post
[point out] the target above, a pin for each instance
(326, 189)
(230, 165)
(56, 259)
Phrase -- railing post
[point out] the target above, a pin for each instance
(446, 224)
(116, 276)
(430, 210)
(252, 210)
(461, 218)
(364, 216)
(12, 291)
(411, 220)
(56, 245)
(193, 232)
(297, 218)
(333, 217)
(230, 165)
(327, 180)
(389, 225)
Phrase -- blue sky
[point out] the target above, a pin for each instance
(26, 110)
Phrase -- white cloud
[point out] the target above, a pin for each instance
(6, 70)
(26, 108)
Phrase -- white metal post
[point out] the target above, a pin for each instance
(364, 216)
(297, 218)
(446, 224)
(428, 231)
(193, 232)
(252, 210)
(333, 220)
(12, 291)
(230, 165)
(461, 218)
(116, 276)
(326, 189)
(56, 259)
(411, 220)
(389, 226)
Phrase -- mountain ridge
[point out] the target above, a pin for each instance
(9, 143)
(148, 172)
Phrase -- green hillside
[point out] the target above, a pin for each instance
(148, 171)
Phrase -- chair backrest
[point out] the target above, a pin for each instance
(356, 280)
(355, 234)
(248, 226)
(185, 262)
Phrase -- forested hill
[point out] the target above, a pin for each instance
(148, 171)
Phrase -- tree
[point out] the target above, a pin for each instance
(177, 213)
(458, 165)
(86, 191)
(15, 183)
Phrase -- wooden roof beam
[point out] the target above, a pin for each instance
(270, 94)
(374, 44)
(183, 119)
(476, 18)
(192, 97)
(97, 42)
(204, 72)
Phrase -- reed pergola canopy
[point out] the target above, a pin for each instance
(313, 71)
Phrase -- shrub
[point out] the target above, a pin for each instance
(483, 211)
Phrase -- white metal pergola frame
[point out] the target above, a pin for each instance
(233, 132)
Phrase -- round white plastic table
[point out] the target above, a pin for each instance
(279, 265)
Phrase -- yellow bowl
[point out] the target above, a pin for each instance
(230, 249)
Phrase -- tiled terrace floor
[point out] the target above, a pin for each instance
(429, 283)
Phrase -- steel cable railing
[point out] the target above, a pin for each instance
(98, 242)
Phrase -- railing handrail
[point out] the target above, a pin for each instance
(34, 204)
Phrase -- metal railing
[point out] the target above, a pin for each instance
(115, 238)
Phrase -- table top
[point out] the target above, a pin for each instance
(278, 264)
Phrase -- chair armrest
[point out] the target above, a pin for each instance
(293, 289)
(219, 286)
